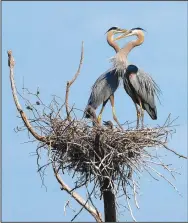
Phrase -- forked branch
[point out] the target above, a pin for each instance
(77, 197)
(69, 83)
(40, 138)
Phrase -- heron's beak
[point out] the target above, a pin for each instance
(126, 33)
(119, 31)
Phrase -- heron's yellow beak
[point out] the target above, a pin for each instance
(125, 32)
(120, 31)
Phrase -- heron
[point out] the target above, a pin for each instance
(107, 83)
(108, 124)
(138, 84)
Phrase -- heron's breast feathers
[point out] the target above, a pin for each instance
(119, 63)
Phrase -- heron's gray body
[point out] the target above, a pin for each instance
(139, 84)
(103, 88)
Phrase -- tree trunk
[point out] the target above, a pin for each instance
(108, 196)
(109, 203)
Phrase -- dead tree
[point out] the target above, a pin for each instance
(111, 159)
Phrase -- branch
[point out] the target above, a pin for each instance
(180, 156)
(77, 197)
(69, 83)
(68, 204)
(171, 150)
(11, 64)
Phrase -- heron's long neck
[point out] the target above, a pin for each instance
(112, 43)
(125, 50)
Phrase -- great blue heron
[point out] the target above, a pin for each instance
(105, 86)
(139, 85)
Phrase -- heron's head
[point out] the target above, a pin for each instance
(132, 32)
(115, 30)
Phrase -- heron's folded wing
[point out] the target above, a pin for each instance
(144, 87)
(103, 87)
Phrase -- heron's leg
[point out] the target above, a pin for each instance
(142, 112)
(138, 115)
(113, 111)
(101, 111)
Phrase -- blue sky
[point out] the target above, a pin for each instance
(45, 38)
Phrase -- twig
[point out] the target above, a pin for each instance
(162, 176)
(171, 150)
(129, 207)
(67, 204)
(134, 191)
(89, 196)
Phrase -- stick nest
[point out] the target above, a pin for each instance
(102, 152)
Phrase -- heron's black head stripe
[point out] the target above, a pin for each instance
(138, 28)
(113, 28)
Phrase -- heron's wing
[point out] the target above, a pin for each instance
(103, 87)
(146, 89)
(103, 77)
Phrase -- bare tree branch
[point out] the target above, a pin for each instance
(69, 83)
(11, 64)
(77, 197)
